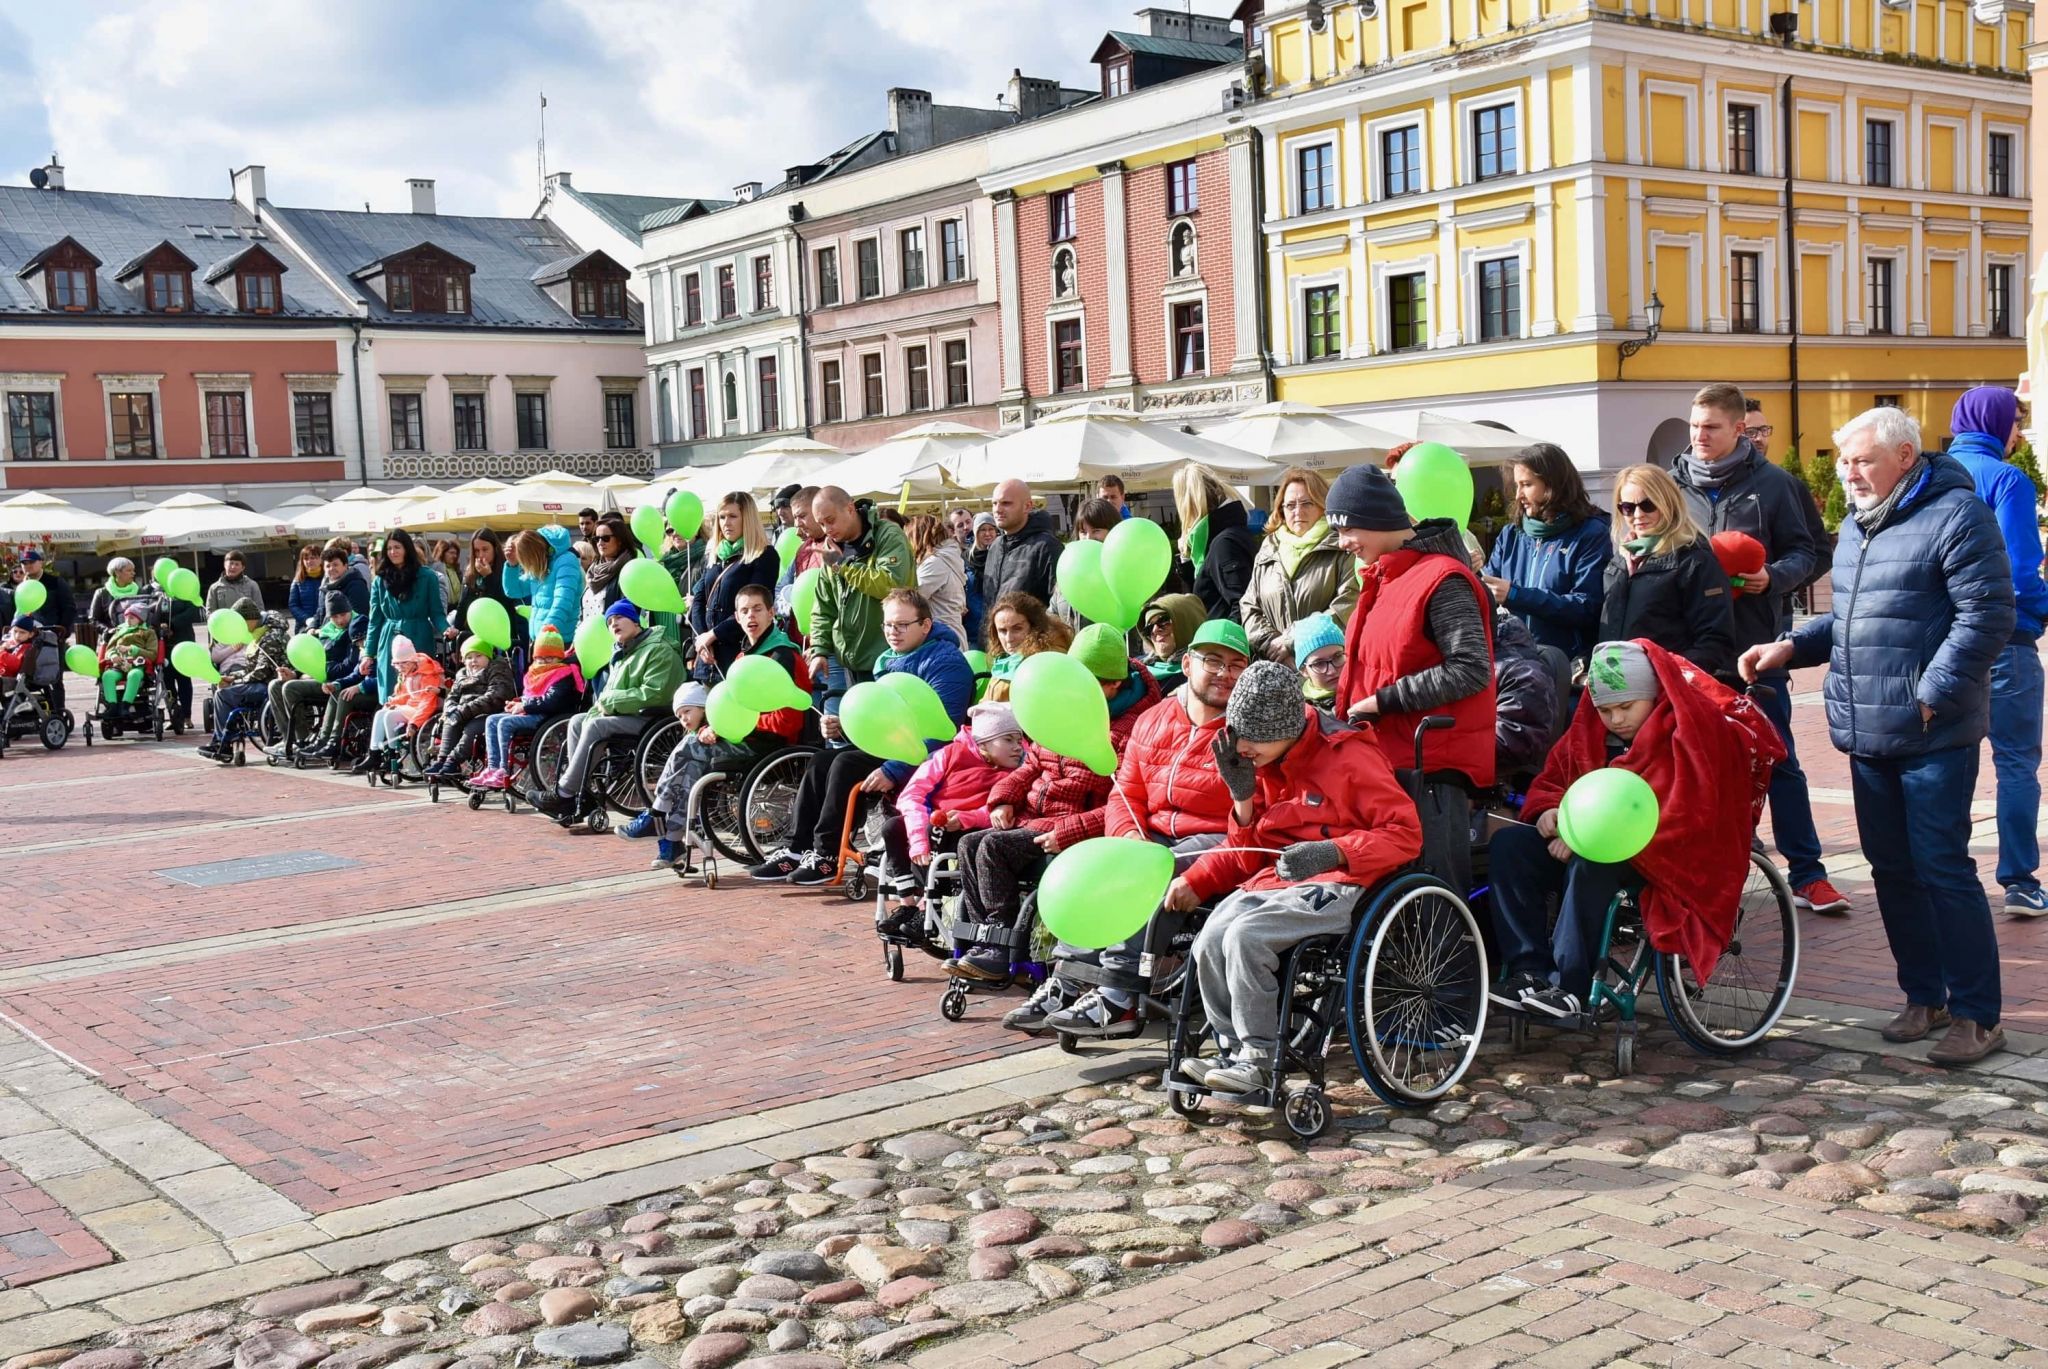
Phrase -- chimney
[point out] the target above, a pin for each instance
(49, 177)
(1032, 96)
(422, 188)
(249, 187)
(745, 192)
(910, 119)
(557, 180)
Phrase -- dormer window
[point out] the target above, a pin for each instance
(422, 280)
(164, 274)
(70, 276)
(257, 292)
(454, 294)
(586, 299)
(398, 292)
(170, 292)
(70, 288)
(589, 286)
(259, 280)
(613, 299)
(1116, 78)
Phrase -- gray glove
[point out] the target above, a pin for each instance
(1307, 859)
(1240, 776)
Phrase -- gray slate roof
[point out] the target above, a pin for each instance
(624, 212)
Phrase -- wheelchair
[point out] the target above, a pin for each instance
(767, 805)
(152, 712)
(251, 725)
(1155, 988)
(535, 762)
(714, 812)
(33, 708)
(614, 783)
(1028, 943)
(932, 935)
(426, 751)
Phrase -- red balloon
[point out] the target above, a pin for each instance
(1740, 554)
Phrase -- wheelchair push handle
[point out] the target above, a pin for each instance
(1436, 722)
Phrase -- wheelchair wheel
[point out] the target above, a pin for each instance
(953, 1005)
(651, 754)
(621, 777)
(768, 805)
(598, 823)
(855, 883)
(1739, 1004)
(718, 808)
(545, 753)
(1625, 1049)
(1306, 1112)
(423, 749)
(1415, 991)
(476, 800)
(892, 957)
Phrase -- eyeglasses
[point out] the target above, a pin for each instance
(903, 626)
(1760, 430)
(1218, 665)
(1329, 667)
(1630, 507)
(1299, 506)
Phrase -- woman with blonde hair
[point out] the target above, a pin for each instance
(1664, 584)
(1019, 627)
(941, 573)
(541, 565)
(742, 555)
(1215, 537)
(1299, 569)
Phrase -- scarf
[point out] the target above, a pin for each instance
(1639, 547)
(129, 590)
(1878, 514)
(1712, 475)
(1543, 530)
(1292, 550)
(1198, 544)
(1005, 667)
(542, 674)
(729, 548)
(604, 571)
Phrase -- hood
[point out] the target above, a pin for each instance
(1188, 615)
(1036, 522)
(1438, 535)
(560, 540)
(1989, 410)
(1224, 517)
(1944, 473)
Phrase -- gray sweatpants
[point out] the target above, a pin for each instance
(689, 762)
(1237, 956)
(1123, 957)
(586, 732)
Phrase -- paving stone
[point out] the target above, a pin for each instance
(279, 1347)
(289, 1302)
(583, 1344)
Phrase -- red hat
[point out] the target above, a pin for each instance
(1740, 556)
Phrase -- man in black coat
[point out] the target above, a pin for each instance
(1028, 551)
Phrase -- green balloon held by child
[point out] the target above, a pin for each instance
(1608, 816)
(190, 660)
(81, 661)
(1099, 892)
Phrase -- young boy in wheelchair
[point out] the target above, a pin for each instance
(945, 799)
(245, 681)
(1704, 750)
(1324, 798)
(480, 690)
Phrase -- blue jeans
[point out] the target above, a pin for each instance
(1791, 809)
(1524, 876)
(1913, 816)
(235, 698)
(2016, 756)
(500, 729)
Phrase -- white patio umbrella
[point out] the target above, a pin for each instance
(391, 513)
(1473, 441)
(535, 502)
(194, 520)
(348, 512)
(1296, 434)
(459, 507)
(912, 459)
(1085, 443)
(131, 508)
(765, 468)
(294, 506)
(619, 491)
(46, 520)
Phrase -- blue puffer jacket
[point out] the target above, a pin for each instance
(1922, 607)
(557, 600)
(939, 663)
(1556, 585)
(2010, 494)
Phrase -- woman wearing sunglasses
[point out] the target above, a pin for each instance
(1663, 583)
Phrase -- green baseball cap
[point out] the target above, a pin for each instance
(1224, 633)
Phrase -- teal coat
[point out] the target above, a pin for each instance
(418, 618)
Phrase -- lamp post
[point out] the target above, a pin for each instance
(1655, 311)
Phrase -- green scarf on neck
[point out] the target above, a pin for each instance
(1540, 530)
(127, 591)
(1292, 549)
(729, 548)
(1641, 546)
(1198, 544)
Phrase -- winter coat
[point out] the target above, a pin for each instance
(643, 676)
(344, 649)
(355, 584)
(60, 608)
(1527, 708)
(787, 724)
(563, 694)
(2010, 494)
(1226, 567)
(846, 621)
(1556, 585)
(105, 609)
(942, 580)
(1167, 784)
(418, 617)
(712, 604)
(130, 646)
(1922, 606)
(302, 602)
(418, 695)
(1022, 560)
(956, 779)
(223, 592)
(451, 581)
(939, 662)
(557, 601)
(479, 693)
(1326, 581)
(1057, 794)
(1677, 599)
(182, 620)
(1769, 503)
(1332, 785)
(259, 662)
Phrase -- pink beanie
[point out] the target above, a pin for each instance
(402, 649)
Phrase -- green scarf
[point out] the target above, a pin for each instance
(1540, 531)
(730, 548)
(129, 590)
(1005, 667)
(1641, 546)
(770, 640)
(1198, 544)
(1293, 550)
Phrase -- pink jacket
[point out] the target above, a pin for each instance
(956, 778)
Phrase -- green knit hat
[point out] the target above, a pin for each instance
(1100, 647)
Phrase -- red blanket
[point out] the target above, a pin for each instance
(1702, 749)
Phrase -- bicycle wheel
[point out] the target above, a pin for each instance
(1415, 991)
(652, 754)
(768, 806)
(1742, 1000)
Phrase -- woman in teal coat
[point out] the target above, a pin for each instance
(405, 601)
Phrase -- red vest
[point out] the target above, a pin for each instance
(1387, 640)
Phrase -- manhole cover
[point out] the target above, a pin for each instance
(218, 872)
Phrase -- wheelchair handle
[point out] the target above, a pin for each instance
(1436, 722)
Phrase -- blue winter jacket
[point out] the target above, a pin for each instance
(1556, 585)
(938, 661)
(302, 603)
(2010, 494)
(1922, 606)
(557, 600)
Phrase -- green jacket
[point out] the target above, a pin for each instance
(846, 623)
(642, 676)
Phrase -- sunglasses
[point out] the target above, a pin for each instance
(1630, 507)
(604, 537)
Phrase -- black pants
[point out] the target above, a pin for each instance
(900, 873)
(995, 866)
(467, 736)
(822, 798)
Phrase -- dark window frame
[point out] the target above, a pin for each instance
(1745, 292)
(957, 370)
(32, 425)
(1061, 216)
(398, 292)
(1881, 298)
(1400, 150)
(764, 283)
(1998, 164)
(1499, 281)
(251, 289)
(1408, 311)
(1315, 177)
(1183, 188)
(1743, 122)
(1189, 321)
(470, 410)
(952, 250)
(1116, 78)
(1496, 142)
(1322, 315)
(407, 409)
(825, 268)
(530, 419)
(874, 392)
(767, 393)
(621, 421)
(700, 403)
(2000, 319)
(867, 269)
(917, 378)
(1070, 356)
(693, 299)
(1880, 153)
(312, 423)
(141, 440)
(167, 290)
(832, 389)
(728, 292)
(910, 261)
(64, 282)
(227, 424)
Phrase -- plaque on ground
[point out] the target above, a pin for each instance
(218, 872)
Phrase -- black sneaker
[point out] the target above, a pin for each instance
(1510, 992)
(814, 870)
(777, 868)
(1550, 1001)
(1092, 1015)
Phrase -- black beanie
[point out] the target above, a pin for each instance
(1364, 497)
(337, 602)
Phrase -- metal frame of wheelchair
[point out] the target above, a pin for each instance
(715, 813)
(157, 711)
(265, 732)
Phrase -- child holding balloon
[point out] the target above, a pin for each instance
(127, 654)
(946, 798)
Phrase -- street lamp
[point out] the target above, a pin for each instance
(1655, 311)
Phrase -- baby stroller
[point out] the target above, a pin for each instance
(33, 707)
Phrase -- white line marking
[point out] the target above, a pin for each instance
(72, 1061)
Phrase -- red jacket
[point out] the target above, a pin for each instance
(1167, 785)
(1054, 793)
(1332, 785)
(955, 779)
(1387, 640)
(15, 656)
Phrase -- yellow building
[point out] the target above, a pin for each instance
(1472, 205)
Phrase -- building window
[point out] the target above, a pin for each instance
(620, 430)
(32, 426)
(227, 423)
(1745, 296)
(700, 416)
(1059, 210)
(169, 292)
(1068, 371)
(732, 398)
(1500, 299)
(1742, 139)
(1401, 161)
(825, 264)
(532, 412)
(1407, 311)
(693, 299)
(953, 250)
(70, 288)
(1325, 337)
(1999, 149)
(1116, 78)
(408, 433)
(910, 257)
(872, 403)
(258, 291)
(867, 260)
(1493, 142)
(313, 424)
(956, 374)
(917, 374)
(1889, 401)
(398, 292)
(2002, 318)
(1063, 276)
(583, 298)
(133, 425)
(614, 299)
(771, 407)
(470, 433)
(1183, 195)
(455, 294)
(832, 386)
(1190, 341)
(1316, 174)
(1881, 318)
(728, 293)
(1180, 250)
(764, 284)
(1877, 152)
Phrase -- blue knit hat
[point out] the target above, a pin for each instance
(1312, 634)
(623, 609)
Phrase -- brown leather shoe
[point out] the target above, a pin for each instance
(1966, 1043)
(1914, 1024)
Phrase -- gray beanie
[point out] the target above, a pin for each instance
(1619, 673)
(1365, 497)
(1266, 704)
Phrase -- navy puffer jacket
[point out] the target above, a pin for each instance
(1923, 605)
(1556, 586)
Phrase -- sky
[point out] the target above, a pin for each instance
(343, 102)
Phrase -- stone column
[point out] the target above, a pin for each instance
(1117, 269)
(1245, 228)
(1009, 294)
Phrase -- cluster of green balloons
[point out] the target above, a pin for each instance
(1435, 482)
(488, 619)
(80, 660)
(1112, 580)
(190, 660)
(894, 716)
(308, 655)
(1099, 892)
(30, 596)
(753, 686)
(1608, 815)
(651, 588)
(175, 581)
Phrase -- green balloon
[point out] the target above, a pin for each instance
(881, 723)
(184, 586)
(926, 708)
(1099, 892)
(1060, 706)
(190, 660)
(651, 588)
(161, 571)
(762, 685)
(81, 661)
(804, 596)
(226, 625)
(788, 544)
(1079, 577)
(977, 661)
(487, 619)
(29, 596)
(526, 610)
(1608, 816)
(594, 646)
(648, 527)
(731, 719)
(685, 513)
(1136, 557)
(1435, 482)
(308, 655)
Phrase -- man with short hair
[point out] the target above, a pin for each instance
(297, 701)
(960, 522)
(60, 606)
(642, 676)
(340, 576)
(1756, 427)
(1111, 487)
(586, 526)
(234, 584)
(1923, 604)
(783, 505)
(1027, 551)
(864, 557)
(810, 552)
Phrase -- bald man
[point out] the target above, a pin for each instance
(865, 557)
(1027, 551)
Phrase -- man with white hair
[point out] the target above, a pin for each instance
(1923, 603)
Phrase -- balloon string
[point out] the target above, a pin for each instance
(1116, 782)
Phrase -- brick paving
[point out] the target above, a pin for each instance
(38, 1238)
